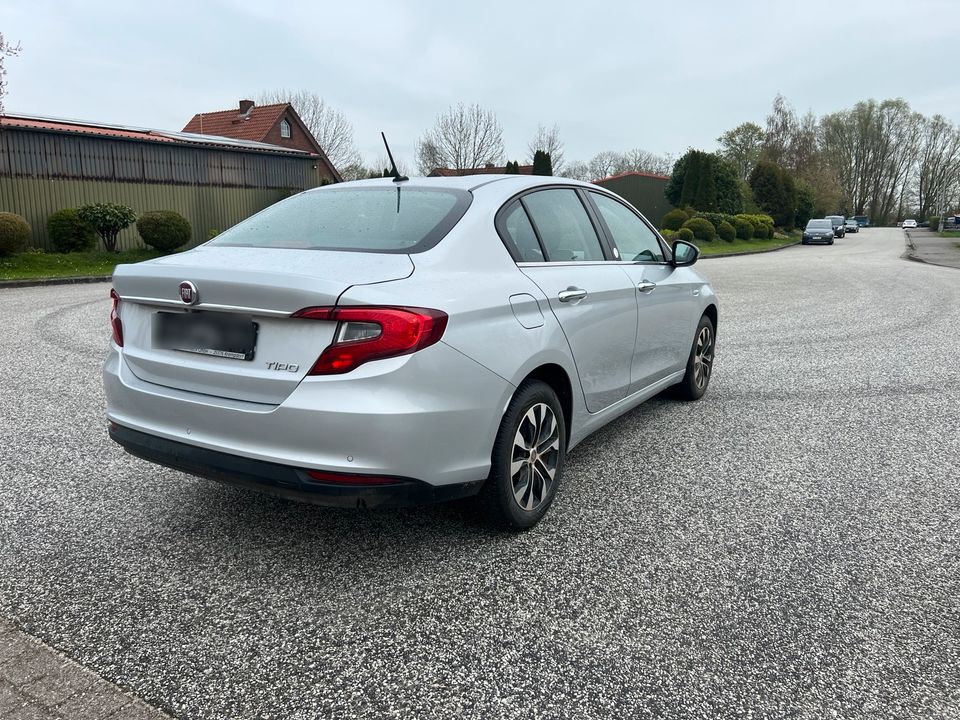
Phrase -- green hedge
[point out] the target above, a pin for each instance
(685, 234)
(701, 228)
(726, 231)
(164, 230)
(14, 233)
(68, 233)
(743, 228)
(674, 219)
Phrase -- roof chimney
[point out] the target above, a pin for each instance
(246, 106)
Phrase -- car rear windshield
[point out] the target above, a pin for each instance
(364, 219)
(819, 224)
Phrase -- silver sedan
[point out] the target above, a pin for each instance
(391, 342)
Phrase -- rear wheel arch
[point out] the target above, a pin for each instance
(556, 377)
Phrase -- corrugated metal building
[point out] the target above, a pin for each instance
(49, 164)
(642, 190)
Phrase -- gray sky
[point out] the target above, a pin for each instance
(615, 76)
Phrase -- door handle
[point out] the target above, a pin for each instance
(571, 294)
(646, 287)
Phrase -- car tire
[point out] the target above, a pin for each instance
(830, 243)
(804, 242)
(700, 362)
(530, 444)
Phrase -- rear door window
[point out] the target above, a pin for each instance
(563, 225)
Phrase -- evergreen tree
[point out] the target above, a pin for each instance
(541, 163)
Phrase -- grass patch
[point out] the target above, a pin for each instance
(33, 265)
(719, 247)
(950, 234)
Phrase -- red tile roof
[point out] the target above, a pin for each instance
(81, 128)
(451, 172)
(253, 125)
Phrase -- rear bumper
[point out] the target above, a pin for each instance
(282, 481)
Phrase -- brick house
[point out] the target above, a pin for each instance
(277, 125)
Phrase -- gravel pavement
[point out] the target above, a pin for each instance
(789, 547)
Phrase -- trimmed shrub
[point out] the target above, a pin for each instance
(934, 222)
(743, 227)
(107, 219)
(674, 219)
(685, 234)
(668, 234)
(701, 228)
(762, 225)
(164, 230)
(726, 231)
(68, 233)
(14, 233)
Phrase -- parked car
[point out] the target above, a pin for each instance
(851, 225)
(389, 342)
(838, 222)
(820, 231)
(909, 223)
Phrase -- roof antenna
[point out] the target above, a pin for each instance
(397, 177)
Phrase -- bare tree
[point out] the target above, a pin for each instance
(578, 170)
(610, 162)
(938, 171)
(463, 138)
(328, 125)
(547, 140)
(6, 50)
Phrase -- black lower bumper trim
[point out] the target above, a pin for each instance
(283, 481)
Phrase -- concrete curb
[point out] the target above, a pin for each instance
(32, 282)
(909, 254)
(748, 252)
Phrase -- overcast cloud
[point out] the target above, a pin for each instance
(612, 75)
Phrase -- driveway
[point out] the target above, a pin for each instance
(787, 547)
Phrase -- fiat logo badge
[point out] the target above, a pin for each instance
(188, 292)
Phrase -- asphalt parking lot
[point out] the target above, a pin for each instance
(787, 547)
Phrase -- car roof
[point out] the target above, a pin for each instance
(466, 182)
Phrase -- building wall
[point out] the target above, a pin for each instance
(207, 208)
(643, 192)
(214, 189)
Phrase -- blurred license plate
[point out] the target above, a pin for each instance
(217, 334)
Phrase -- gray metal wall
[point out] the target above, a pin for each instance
(42, 172)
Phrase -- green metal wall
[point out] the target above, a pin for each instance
(643, 192)
(206, 207)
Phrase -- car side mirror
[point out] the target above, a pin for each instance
(684, 253)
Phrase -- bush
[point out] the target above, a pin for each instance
(14, 233)
(68, 233)
(701, 228)
(685, 234)
(164, 230)
(674, 219)
(107, 219)
(743, 227)
(726, 231)
(668, 234)
(934, 222)
(762, 225)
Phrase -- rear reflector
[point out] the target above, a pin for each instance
(115, 323)
(345, 479)
(373, 333)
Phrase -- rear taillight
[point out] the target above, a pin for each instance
(373, 333)
(115, 323)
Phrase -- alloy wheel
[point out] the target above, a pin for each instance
(703, 358)
(536, 453)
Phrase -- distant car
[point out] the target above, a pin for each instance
(851, 225)
(820, 231)
(394, 342)
(837, 222)
(910, 223)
